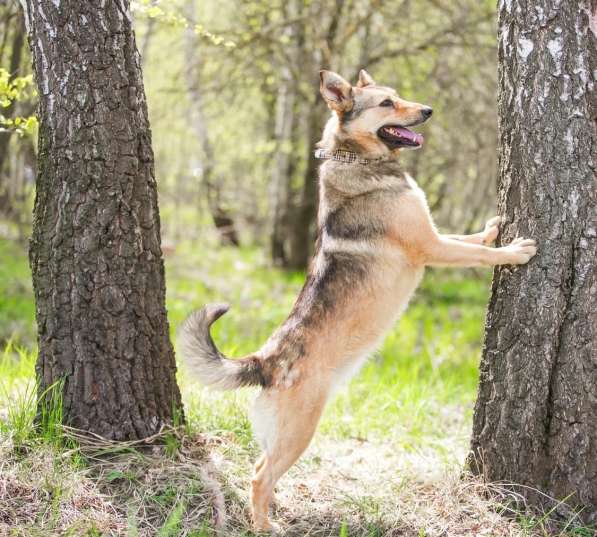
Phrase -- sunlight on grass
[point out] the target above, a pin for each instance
(17, 309)
(417, 390)
(404, 420)
(17, 392)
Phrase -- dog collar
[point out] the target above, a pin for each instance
(342, 155)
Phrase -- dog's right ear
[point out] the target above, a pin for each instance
(336, 91)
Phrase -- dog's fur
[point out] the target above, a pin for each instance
(375, 238)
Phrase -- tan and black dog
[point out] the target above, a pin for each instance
(376, 236)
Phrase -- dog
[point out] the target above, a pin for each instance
(375, 238)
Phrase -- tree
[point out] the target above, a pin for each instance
(535, 420)
(318, 35)
(222, 219)
(14, 68)
(285, 127)
(263, 57)
(95, 253)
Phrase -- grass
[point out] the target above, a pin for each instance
(387, 459)
(17, 309)
(426, 367)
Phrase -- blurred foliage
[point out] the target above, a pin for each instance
(216, 74)
(16, 296)
(157, 11)
(438, 53)
(11, 90)
(18, 125)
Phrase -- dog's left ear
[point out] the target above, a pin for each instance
(336, 91)
(365, 79)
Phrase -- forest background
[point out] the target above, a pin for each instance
(235, 111)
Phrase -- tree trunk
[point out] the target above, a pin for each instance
(222, 219)
(281, 179)
(283, 158)
(301, 227)
(535, 420)
(95, 253)
(15, 64)
(302, 231)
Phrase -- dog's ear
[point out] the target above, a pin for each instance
(365, 79)
(336, 91)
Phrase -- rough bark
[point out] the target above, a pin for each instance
(95, 251)
(535, 420)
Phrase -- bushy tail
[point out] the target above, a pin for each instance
(206, 362)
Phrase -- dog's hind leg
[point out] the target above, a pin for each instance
(295, 424)
(261, 487)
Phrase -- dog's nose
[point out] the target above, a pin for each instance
(427, 111)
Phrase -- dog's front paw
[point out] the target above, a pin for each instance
(490, 233)
(519, 251)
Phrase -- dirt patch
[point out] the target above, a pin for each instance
(198, 486)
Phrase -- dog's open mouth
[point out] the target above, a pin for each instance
(394, 136)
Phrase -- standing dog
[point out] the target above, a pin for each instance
(376, 236)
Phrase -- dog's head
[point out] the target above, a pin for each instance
(369, 119)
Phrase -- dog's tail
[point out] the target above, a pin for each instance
(206, 362)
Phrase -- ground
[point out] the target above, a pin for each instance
(387, 460)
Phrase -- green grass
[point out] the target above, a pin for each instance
(405, 416)
(416, 390)
(18, 397)
(425, 372)
(17, 309)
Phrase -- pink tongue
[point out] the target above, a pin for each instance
(408, 135)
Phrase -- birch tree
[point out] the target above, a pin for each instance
(535, 420)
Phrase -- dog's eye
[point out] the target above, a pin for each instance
(387, 102)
